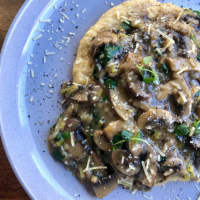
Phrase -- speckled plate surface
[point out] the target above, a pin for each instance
(25, 123)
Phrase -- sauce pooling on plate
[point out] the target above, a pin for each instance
(136, 121)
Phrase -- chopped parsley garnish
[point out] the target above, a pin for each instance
(53, 128)
(106, 53)
(146, 60)
(62, 138)
(105, 98)
(110, 83)
(198, 12)
(127, 136)
(196, 125)
(57, 155)
(116, 139)
(163, 159)
(126, 25)
(198, 57)
(148, 75)
(164, 68)
(181, 129)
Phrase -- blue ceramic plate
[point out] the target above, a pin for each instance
(30, 99)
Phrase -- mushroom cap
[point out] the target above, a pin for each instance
(101, 141)
(124, 164)
(173, 162)
(119, 100)
(133, 76)
(155, 118)
(104, 38)
(106, 186)
(116, 127)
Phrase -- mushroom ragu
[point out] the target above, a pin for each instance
(136, 122)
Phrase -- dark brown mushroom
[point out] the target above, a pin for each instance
(101, 141)
(155, 118)
(135, 85)
(106, 185)
(119, 100)
(124, 164)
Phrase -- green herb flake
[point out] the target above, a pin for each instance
(198, 12)
(105, 98)
(117, 139)
(193, 38)
(139, 136)
(110, 83)
(53, 128)
(59, 137)
(108, 52)
(57, 155)
(126, 25)
(147, 60)
(127, 135)
(163, 159)
(181, 129)
(198, 57)
(197, 94)
(164, 68)
(149, 76)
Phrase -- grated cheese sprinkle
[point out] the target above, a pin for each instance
(83, 10)
(180, 14)
(45, 20)
(31, 99)
(32, 74)
(65, 16)
(192, 131)
(182, 70)
(39, 36)
(149, 29)
(145, 171)
(44, 59)
(72, 138)
(159, 151)
(122, 162)
(49, 53)
(182, 96)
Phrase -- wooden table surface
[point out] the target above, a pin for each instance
(9, 185)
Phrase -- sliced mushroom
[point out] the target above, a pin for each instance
(150, 166)
(190, 64)
(179, 27)
(119, 100)
(172, 88)
(124, 164)
(106, 185)
(101, 141)
(104, 38)
(116, 127)
(155, 118)
(75, 92)
(133, 76)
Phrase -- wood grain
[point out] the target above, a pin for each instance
(9, 185)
